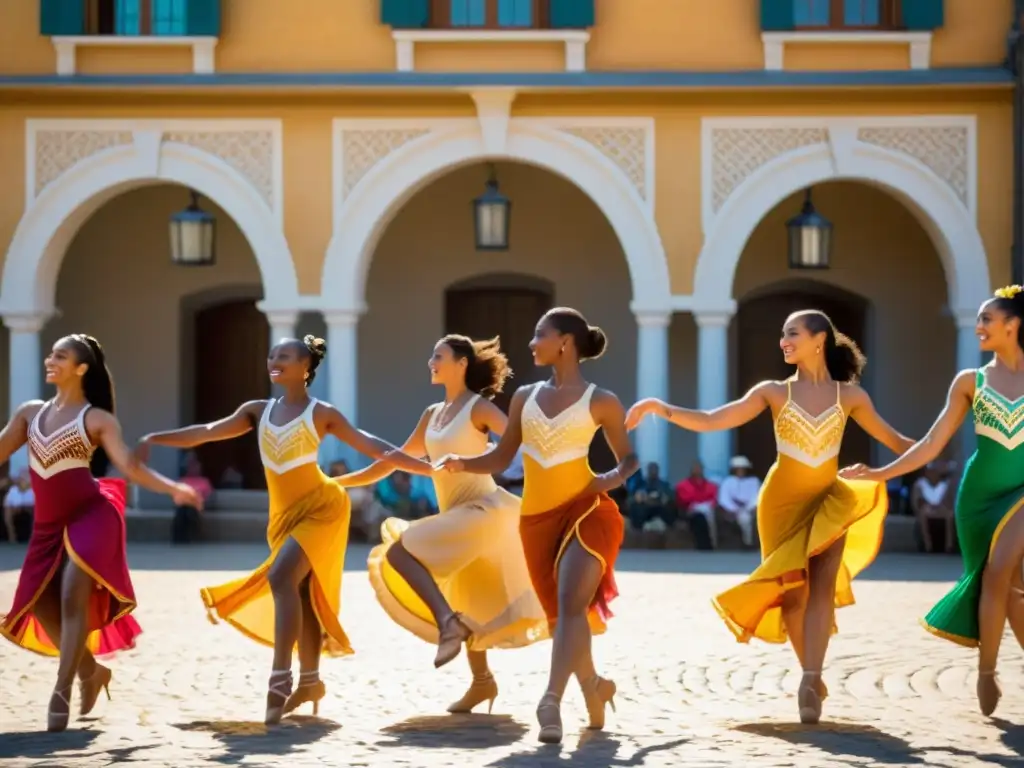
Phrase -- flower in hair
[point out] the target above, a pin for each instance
(1009, 292)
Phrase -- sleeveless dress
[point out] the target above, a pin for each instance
(804, 508)
(991, 493)
(465, 548)
(555, 510)
(82, 518)
(307, 506)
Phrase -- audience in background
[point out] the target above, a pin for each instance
(696, 497)
(737, 499)
(185, 526)
(931, 499)
(19, 506)
(651, 506)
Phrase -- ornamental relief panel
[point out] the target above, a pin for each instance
(250, 152)
(57, 151)
(363, 149)
(625, 147)
(944, 149)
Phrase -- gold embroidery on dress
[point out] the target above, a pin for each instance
(997, 417)
(66, 447)
(811, 440)
(288, 445)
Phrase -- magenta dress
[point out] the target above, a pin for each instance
(76, 517)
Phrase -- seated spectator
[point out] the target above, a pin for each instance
(931, 499)
(696, 497)
(394, 496)
(651, 504)
(737, 498)
(19, 505)
(185, 527)
(512, 478)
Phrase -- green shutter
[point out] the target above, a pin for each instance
(405, 14)
(777, 15)
(61, 17)
(202, 18)
(571, 14)
(922, 15)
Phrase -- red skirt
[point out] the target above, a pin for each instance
(596, 523)
(82, 519)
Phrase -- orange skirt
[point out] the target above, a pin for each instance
(596, 523)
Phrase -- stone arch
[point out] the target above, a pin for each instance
(54, 217)
(947, 220)
(379, 195)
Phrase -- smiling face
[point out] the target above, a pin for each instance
(445, 368)
(547, 343)
(286, 365)
(799, 344)
(62, 365)
(995, 329)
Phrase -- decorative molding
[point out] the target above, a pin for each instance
(493, 110)
(774, 43)
(575, 42)
(250, 151)
(359, 145)
(203, 60)
(55, 151)
(629, 144)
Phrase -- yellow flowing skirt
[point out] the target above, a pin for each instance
(474, 554)
(319, 522)
(801, 512)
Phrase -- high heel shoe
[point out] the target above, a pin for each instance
(56, 720)
(549, 717)
(89, 689)
(454, 633)
(597, 691)
(989, 692)
(482, 689)
(282, 690)
(808, 698)
(311, 688)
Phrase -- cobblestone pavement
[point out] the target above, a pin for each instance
(192, 694)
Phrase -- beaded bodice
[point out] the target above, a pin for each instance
(67, 447)
(997, 417)
(565, 437)
(291, 445)
(811, 440)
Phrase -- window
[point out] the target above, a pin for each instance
(846, 14)
(136, 17)
(488, 14)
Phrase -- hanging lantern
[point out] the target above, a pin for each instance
(810, 238)
(491, 212)
(193, 236)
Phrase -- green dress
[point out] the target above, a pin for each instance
(991, 492)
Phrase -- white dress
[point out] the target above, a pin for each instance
(471, 548)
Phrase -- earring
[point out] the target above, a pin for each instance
(305, 376)
(561, 351)
(817, 350)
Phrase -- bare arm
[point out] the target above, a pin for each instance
(330, 420)
(611, 416)
(414, 446)
(105, 430)
(487, 417)
(237, 424)
(928, 448)
(15, 434)
(864, 413)
(728, 416)
(496, 460)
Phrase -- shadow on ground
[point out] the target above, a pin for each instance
(247, 741)
(596, 748)
(447, 731)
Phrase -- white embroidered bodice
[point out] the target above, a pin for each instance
(811, 440)
(68, 447)
(459, 437)
(291, 445)
(566, 437)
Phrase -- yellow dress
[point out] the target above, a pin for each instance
(471, 549)
(307, 506)
(803, 508)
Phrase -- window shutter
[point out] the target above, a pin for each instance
(923, 15)
(405, 14)
(777, 15)
(61, 17)
(571, 14)
(202, 18)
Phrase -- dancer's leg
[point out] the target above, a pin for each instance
(999, 574)
(311, 634)
(47, 609)
(483, 688)
(289, 570)
(76, 587)
(1015, 606)
(818, 622)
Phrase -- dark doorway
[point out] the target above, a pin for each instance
(231, 340)
(759, 326)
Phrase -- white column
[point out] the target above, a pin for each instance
(282, 324)
(968, 355)
(714, 448)
(652, 381)
(25, 369)
(342, 378)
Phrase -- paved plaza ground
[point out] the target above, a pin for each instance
(192, 693)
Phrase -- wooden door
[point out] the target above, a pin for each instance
(231, 344)
(759, 327)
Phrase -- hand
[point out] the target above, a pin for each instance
(641, 409)
(450, 464)
(860, 472)
(141, 451)
(187, 496)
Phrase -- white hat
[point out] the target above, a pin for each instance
(740, 462)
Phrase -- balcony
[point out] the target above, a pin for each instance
(72, 24)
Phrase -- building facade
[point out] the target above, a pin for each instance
(652, 150)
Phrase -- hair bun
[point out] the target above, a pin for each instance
(315, 344)
(597, 341)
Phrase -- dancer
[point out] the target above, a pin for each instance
(75, 594)
(991, 493)
(817, 531)
(571, 530)
(294, 596)
(458, 565)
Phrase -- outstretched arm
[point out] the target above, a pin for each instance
(928, 448)
(414, 446)
(15, 434)
(330, 421)
(728, 416)
(237, 424)
(864, 413)
(496, 460)
(611, 416)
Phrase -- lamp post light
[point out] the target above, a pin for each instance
(193, 242)
(491, 214)
(810, 238)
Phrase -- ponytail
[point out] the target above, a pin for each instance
(843, 358)
(97, 386)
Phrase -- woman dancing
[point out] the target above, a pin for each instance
(991, 493)
(75, 594)
(455, 571)
(571, 530)
(294, 596)
(817, 531)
